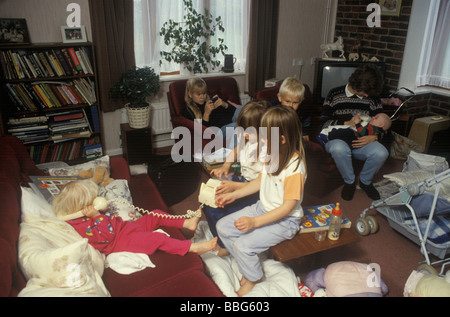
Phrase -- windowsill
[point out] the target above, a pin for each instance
(433, 90)
(167, 78)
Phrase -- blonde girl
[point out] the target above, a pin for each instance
(109, 234)
(212, 111)
(248, 121)
(276, 216)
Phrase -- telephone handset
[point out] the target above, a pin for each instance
(100, 203)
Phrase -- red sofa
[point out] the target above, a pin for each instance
(174, 276)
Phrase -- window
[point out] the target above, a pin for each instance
(150, 15)
(434, 66)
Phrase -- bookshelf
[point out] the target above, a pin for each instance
(49, 100)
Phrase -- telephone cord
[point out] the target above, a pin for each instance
(189, 214)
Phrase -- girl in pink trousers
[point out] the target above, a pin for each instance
(111, 234)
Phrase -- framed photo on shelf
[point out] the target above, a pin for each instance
(14, 31)
(74, 34)
(390, 7)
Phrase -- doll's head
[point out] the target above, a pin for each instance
(74, 197)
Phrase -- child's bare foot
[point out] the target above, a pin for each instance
(191, 223)
(246, 286)
(222, 251)
(203, 247)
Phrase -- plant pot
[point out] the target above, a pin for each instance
(138, 117)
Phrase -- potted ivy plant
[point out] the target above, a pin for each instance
(135, 86)
(190, 40)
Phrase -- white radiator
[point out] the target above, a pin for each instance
(160, 118)
(162, 126)
(245, 99)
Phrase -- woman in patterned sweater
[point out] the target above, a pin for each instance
(359, 96)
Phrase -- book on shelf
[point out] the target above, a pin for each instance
(50, 186)
(46, 94)
(317, 218)
(71, 128)
(93, 151)
(44, 63)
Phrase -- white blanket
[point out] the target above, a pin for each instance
(279, 281)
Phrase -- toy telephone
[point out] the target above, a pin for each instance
(100, 204)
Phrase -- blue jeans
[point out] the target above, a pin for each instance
(231, 140)
(213, 215)
(373, 154)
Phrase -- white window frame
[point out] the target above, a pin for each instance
(152, 32)
(417, 40)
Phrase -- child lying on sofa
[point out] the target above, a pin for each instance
(111, 234)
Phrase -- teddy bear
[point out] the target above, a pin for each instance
(99, 175)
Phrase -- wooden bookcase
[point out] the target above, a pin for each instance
(49, 99)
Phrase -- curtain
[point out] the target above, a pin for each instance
(150, 15)
(434, 68)
(262, 43)
(112, 32)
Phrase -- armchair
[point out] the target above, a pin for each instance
(225, 87)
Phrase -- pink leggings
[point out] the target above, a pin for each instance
(139, 236)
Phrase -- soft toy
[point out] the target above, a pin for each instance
(99, 175)
(426, 283)
(346, 279)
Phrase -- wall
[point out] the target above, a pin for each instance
(388, 44)
(301, 31)
(45, 17)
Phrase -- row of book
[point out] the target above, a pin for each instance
(32, 64)
(68, 151)
(54, 127)
(44, 95)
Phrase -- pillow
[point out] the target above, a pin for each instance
(34, 204)
(68, 267)
(120, 202)
(406, 178)
(351, 279)
(75, 169)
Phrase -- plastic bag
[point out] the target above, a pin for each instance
(402, 146)
(425, 162)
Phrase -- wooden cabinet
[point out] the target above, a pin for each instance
(136, 144)
(49, 99)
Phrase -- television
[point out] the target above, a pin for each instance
(332, 73)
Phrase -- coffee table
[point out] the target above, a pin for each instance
(304, 244)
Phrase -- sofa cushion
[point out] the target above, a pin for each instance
(170, 270)
(13, 149)
(10, 166)
(6, 267)
(145, 193)
(9, 214)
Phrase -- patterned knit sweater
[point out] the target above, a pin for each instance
(340, 107)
